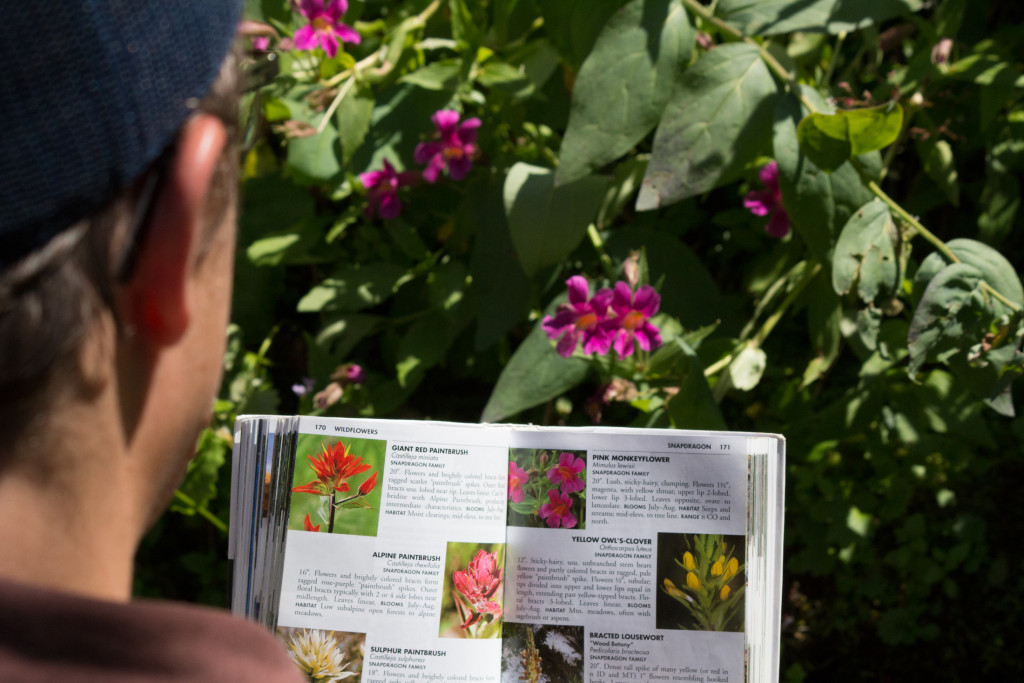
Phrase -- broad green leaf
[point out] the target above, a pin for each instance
(271, 250)
(718, 121)
(534, 374)
(422, 347)
(823, 317)
(746, 369)
(443, 75)
(774, 17)
(694, 407)
(548, 222)
(940, 326)
(573, 25)
(1000, 199)
(831, 139)
(316, 157)
(624, 84)
(354, 287)
(341, 333)
(502, 290)
(937, 159)
(200, 483)
(993, 266)
(865, 254)
(818, 203)
(353, 118)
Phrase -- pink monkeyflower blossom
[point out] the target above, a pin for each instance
(558, 512)
(580, 318)
(382, 190)
(517, 476)
(325, 27)
(354, 373)
(480, 583)
(261, 43)
(633, 319)
(768, 202)
(567, 473)
(455, 149)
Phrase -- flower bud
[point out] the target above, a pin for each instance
(716, 568)
(692, 581)
(688, 561)
(724, 594)
(368, 485)
(732, 568)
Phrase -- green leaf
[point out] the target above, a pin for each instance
(718, 121)
(774, 17)
(624, 84)
(422, 347)
(534, 374)
(316, 157)
(527, 507)
(201, 477)
(573, 25)
(354, 287)
(353, 117)
(865, 254)
(548, 222)
(746, 369)
(998, 272)
(831, 139)
(1001, 201)
(937, 158)
(818, 203)
(939, 328)
(694, 407)
(443, 75)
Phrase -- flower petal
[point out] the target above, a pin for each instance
(646, 300)
(578, 289)
(311, 8)
(348, 34)
(433, 169)
(567, 344)
(390, 207)
(778, 224)
(445, 120)
(305, 38)
(330, 43)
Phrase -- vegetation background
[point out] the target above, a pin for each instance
(618, 140)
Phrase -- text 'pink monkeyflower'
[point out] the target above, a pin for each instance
(480, 583)
(580, 318)
(454, 150)
(768, 202)
(633, 318)
(558, 512)
(382, 190)
(324, 28)
(567, 473)
(517, 476)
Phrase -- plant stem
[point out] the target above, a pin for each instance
(203, 512)
(598, 242)
(330, 520)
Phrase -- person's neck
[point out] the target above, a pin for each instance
(62, 526)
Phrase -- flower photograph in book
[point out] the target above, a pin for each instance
(541, 653)
(701, 582)
(325, 656)
(336, 487)
(473, 594)
(547, 488)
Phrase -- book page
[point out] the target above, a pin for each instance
(625, 556)
(405, 582)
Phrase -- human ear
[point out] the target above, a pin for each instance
(157, 304)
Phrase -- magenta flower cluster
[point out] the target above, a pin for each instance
(617, 318)
(325, 28)
(453, 150)
(564, 478)
(768, 202)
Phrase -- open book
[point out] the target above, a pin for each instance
(387, 550)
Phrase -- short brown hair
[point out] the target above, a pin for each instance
(50, 299)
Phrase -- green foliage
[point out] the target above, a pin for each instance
(618, 141)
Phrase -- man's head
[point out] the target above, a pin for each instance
(117, 191)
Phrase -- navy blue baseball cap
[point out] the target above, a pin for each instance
(93, 91)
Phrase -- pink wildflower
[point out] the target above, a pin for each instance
(354, 373)
(382, 190)
(769, 201)
(558, 512)
(580, 318)
(517, 476)
(567, 473)
(261, 43)
(480, 583)
(455, 149)
(632, 322)
(325, 27)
